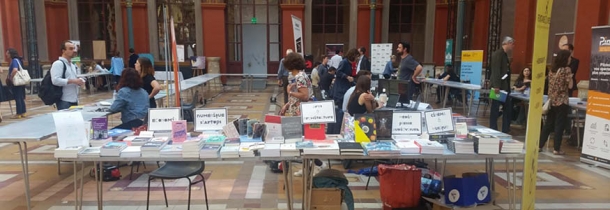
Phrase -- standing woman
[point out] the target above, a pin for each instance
(299, 90)
(18, 91)
(116, 66)
(147, 72)
(560, 81)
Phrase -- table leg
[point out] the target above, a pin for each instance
(446, 90)
(577, 130)
(108, 82)
(286, 173)
(471, 103)
(100, 186)
(82, 176)
(509, 185)
(492, 177)
(23, 154)
(514, 183)
(464, 102)
(75, 185)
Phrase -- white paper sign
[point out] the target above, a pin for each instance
(439, 121)
(318, 112)
(380, 55)
(70, 128)
(210, 119)
(406, 123)
(297, 30)
(180, 52)
(161, 119)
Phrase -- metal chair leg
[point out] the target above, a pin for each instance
(164, 193)
(329, 164)
(188, 205)
(205, 192)
(131, 172)
(147, 193)
(369, 179)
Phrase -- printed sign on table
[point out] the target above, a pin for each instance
(439, 121)
(161, 119)
(71, 131)
(471, 68)
(380, 55)
(596, 140)
(406, 123)
(210, 119)
(318, 112)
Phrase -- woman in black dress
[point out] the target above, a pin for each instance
(147, 72)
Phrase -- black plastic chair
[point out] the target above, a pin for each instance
(178, 170)
(188, 109)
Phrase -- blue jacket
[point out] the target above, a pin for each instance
(116, 66)
(133, 104)
(341, 83)
(389, 69)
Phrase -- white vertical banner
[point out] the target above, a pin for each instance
(380, 55)
(297, 28)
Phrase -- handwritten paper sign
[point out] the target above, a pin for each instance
(160, 119)
(210, 119)
(318, 112)
(71, 131)
(406, 123)
(439, 121)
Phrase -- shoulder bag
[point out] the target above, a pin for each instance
(22, 77)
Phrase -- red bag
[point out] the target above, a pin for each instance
(399, 186)
(136, 131)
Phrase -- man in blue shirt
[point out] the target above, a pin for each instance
(282, 77)
(409, 68)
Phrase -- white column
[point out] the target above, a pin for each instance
(118, 26)
(153, 38)
(198, 28)
(73, 19)
(429, 40)
(41, 31)
(353, 25)
(385, 21)
(308, 28)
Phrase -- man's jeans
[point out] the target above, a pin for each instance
(64, 105)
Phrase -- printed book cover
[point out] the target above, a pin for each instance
(383, 120)
(179, 131)
(365, 128)
(315, 131)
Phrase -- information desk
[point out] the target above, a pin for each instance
(462, 86)
(34, 129)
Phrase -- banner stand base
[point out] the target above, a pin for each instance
(595, 163)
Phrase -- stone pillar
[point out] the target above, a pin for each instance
(73, 19)
(385, 23)
(129, 4)
(353, 25)
(308, 27)
(430, 23)
(118, 27)
(198, 30)
(214, 68)
(153, 38)
(41, 28)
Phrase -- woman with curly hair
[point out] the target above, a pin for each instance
(300, 89)
(131, 100)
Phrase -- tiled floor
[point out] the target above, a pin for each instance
(563, 182)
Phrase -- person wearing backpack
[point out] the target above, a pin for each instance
(63, 73)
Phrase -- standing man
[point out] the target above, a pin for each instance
(409, 68)
(282, 77)
(336, 59)
(70, 82)
(364, 63)
(500, 80)
(133, 58)
(573, 66)
(323, 68)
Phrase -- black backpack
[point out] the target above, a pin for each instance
(49, 93)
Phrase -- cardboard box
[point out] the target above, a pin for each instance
(326, 196)
(439, 204)
(470, 189)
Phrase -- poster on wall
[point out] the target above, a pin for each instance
(596, 139)
(298, 34)
(471, 68)
(560, 40)
(180, 51)
(380, 55)
(76, 58)
(331, 49)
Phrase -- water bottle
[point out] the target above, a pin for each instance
(383, 97)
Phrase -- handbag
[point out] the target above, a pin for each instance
(547, 105)
(22, 77)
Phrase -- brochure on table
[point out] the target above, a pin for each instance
(596, 138)
(210, 119)
(160, 119)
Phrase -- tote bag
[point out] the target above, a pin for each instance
(22, 77)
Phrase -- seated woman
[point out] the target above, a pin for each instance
(389, 67)
(522, 83)
(449, 75)
(358, 103)
(131, 100)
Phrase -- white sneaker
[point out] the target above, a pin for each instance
(299, 173)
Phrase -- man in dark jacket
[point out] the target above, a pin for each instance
(500, 80)
(133, 58)
(573, 66)
(364, 63)
(345, 74)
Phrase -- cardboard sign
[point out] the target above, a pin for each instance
(210, 119)
(318, 112)
(161, 119)
(439, 121)
(406, 123)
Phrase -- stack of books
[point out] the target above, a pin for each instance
(90, 152)
(381, 149)
(131, 151)
(430, 147)
(408, 147)
(442, 137)
(68, 152)
(245, 150)
(117, 133)
(136, 140)
(486, 144)
(152, 148)
(271, 150)
(229, 152)
(171, 150)
(209, 151)
(192, 146)
(275, 140)
(461, 146)
(351, 148)
(216, 140)
(99, 142)
(232, 142)
(325, 147)
(289, 150)
(511, 146)
(113, 149)
(468, 120)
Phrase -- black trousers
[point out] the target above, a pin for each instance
(494, 114)
(556, 119)
(284, 86)
(131, 124)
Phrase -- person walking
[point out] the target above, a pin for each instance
(16, 64)
(500, 80)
